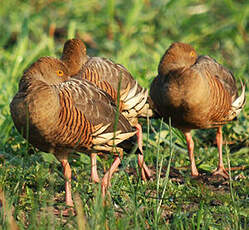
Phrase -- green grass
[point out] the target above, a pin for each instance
(136, 34)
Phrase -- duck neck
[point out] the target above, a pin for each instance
(74, 61)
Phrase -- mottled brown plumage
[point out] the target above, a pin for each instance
(196, 93)
(111, 78)
(58, 114)
(106, 74)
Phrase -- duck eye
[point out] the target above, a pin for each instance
(59, 73)
(192, 54)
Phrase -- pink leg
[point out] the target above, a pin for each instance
(94, 173)
(220, 169)
(67, 175)
(139, 137)
(108, 175)
(145, 171)
(190, 144)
